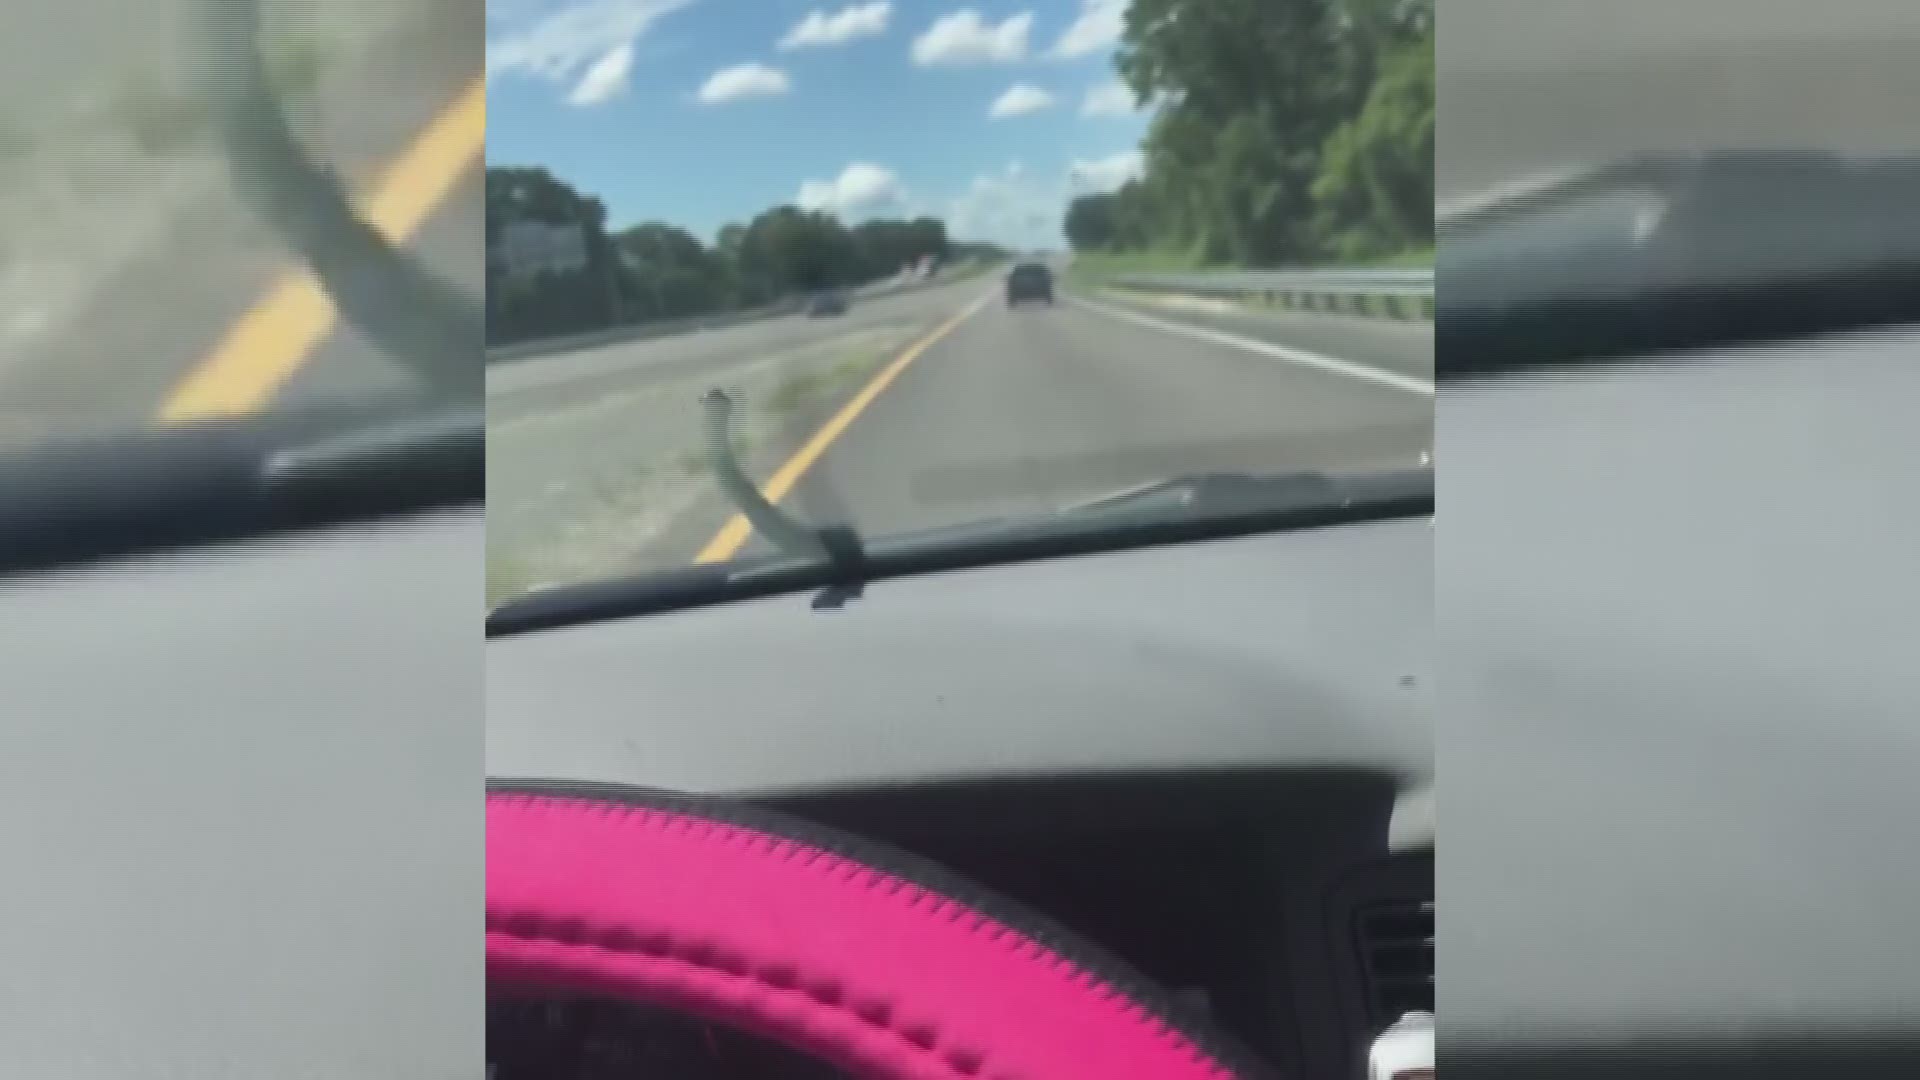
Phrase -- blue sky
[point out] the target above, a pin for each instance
(988, 113)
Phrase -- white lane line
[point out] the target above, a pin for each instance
(1347, 368)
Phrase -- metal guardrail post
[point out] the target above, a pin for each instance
(1394, 293)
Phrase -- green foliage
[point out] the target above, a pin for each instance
(1099, 268)
(669, 274)
(1286, 131)
(659, 271)
(977, 254)
(1091, 222)
(1375, 188)
(815, 388)
(554, 303)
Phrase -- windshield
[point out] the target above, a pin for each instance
(158, 243)
(1226, 206)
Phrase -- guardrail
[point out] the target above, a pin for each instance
(1387, 293)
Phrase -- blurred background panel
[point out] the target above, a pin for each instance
(136, 286)
(1679, 309)
(240, 539)
(1535, 86)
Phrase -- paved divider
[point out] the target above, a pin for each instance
(1391, 294)
(657, 328)
(661, 328)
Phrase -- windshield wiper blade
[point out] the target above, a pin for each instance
(1218, 492)
(437, 457)
(67, 502)
(1391, 497)
(837, 548)
(1208, 501)
(1661, 255)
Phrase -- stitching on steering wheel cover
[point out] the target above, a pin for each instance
(840, 948)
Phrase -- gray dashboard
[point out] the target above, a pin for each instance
(1294, 650)
(1212, 758)
(1680, 696)
(240, 811)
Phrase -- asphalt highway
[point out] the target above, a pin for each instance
(927, 409)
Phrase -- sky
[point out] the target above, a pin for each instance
(989, 114)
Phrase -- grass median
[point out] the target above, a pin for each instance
(619, 483)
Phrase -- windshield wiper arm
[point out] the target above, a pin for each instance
(838, 548)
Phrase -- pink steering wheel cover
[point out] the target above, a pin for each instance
(764, 933)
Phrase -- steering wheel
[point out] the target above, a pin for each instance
(853, 954)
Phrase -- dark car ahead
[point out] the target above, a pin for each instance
(832, 302)
(1030, 281)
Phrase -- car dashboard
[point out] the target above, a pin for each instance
(1212, 759)
(240, 787)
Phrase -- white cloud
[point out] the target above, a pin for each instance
(535, 40)
(1019, 100)
(964, 37)
(861, 190)
(1099, 26)
(1110, 98)
(1105, 174)
(607, 77)
(742, 82)
(847, 24)
(1012, 208)
(1013, 205)
(1023, 210)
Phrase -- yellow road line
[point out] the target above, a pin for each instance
(727, 542)
(268, 344)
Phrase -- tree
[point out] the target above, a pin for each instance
(741, 292)
(549, 303)
(885, 246)
(671, 274)
(929, 239)
(1285, 130)
(978, 252)
(794, 250)
(1375, 187)
(659, 271)
(1091, 224)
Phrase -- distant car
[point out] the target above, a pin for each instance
(1030, 281)
(827, 303)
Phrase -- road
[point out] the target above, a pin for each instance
(593, 458)
(129, 269)
(1530, 86)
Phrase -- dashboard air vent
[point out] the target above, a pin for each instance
(1396, 951)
